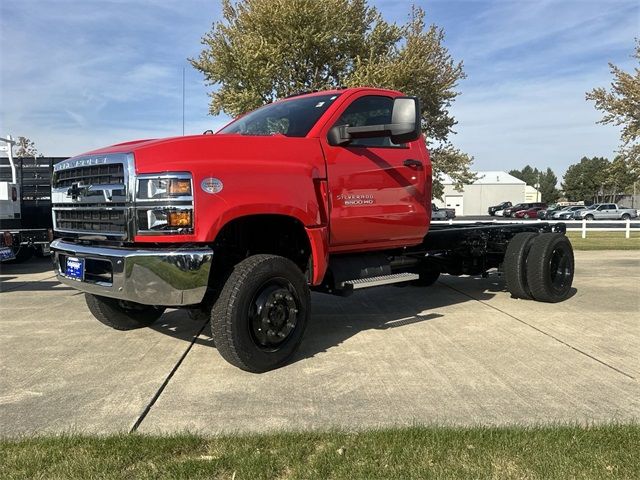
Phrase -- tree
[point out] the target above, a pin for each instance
(586, 180)
(263, 50)
(621, 107)
(546, 182)
(25, 148)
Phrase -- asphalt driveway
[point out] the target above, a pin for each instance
(461, 352)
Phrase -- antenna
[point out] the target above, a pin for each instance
(183, 101)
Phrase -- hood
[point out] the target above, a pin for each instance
(204, 151)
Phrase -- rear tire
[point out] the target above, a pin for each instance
(515, 264)
(259, 318)
(122, 315)
(550, 268)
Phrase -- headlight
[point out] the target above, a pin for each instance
(165, 218)
(164, 204)
(164, 186)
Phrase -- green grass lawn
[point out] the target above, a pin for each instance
(605, 241)
(404, 453)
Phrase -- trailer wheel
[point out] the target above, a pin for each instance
(515, 264)
(550, 268)
(259, 318)
(122, 315)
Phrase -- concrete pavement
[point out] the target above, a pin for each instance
(461, 352)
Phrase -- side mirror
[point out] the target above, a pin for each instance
(404, 126)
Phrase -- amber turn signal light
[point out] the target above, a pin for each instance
(179, 186)
(179, 219)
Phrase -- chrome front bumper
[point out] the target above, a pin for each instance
(168, 277)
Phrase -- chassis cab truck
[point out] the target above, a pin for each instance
(328, 191)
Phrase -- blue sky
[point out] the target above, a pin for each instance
(81, 74)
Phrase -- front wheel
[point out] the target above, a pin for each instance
(122, 315)
(589, 217)
(626, 216)
(526, 215)
(259, 318)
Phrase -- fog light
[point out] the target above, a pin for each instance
(179, 219)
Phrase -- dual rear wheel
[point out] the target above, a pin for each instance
(539, 266)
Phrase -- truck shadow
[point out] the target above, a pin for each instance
(33, 265)
(336, 319)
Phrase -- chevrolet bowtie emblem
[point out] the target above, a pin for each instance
(76, 190)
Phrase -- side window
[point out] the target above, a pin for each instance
(365, 111)
(602, 207)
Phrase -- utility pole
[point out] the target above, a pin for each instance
(183, 101)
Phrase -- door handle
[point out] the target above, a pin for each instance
(409, 162)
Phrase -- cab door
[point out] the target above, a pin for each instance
(380, 193)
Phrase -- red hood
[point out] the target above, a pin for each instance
(200, 152)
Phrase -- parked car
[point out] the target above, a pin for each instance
(529, 213)
(547, 213)
(438, 213)
(567, 213)
(510, 211)
(608, 211)
(501, 206)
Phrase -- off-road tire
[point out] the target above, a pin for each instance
(231, 314)
(550, 268)
(515, 264)
(122, 315)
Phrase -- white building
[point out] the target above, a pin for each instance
(491, 188)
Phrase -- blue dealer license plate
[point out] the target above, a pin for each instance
(75, 268)
(6, 253)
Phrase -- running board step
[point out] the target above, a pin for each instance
(382, 280)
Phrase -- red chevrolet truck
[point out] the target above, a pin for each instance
(327, 191)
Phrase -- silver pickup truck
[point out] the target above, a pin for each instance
(607, 211)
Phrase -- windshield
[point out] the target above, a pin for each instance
(293, 118)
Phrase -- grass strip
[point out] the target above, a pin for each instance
(604, 241)
(553, 452)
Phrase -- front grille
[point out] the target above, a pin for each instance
(92, 220)
(110, 173)
(89, 196)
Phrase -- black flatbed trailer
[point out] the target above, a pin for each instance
(30, 231)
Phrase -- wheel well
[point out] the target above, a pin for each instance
(254, 234)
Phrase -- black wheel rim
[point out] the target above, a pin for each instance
(560, 269)
(273, 314)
